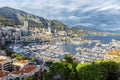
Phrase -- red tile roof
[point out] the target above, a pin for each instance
(2, 74)
(16, 72)
(26, 69)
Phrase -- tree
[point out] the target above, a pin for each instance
(58, 69)
(48, 76)
(99, 70)
(13, 54)
(49, 63)
(91, 72)
(96, 70)
(69, 59)
(18, 56)
(62, 70)
(28, 78)
(33, 59)
(73, 75)
(110, 66)
(31, 78)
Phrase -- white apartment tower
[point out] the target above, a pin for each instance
(25, 28)
(26, 23)
(49, 29)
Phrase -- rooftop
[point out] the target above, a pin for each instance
(3, 57)
(26, 69)
(113, 53)
(21, 62)
(2, 60)
(3, 74)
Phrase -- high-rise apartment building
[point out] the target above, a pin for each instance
(25, 29)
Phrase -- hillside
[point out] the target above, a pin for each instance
(10, 16)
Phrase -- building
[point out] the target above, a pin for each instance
(55, 32)
(49, 29)
(5, 63)
(22, 69)
(2, 40)
(25, 29)
(4, 75)
(62, 33)
(26, 72)
(20, 64)
(21, 74)
(113, 54)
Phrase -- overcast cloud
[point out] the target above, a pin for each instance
(68, 11)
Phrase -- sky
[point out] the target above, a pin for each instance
(71, 12)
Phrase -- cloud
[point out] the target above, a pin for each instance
(111, 7)
(72, 12)
(58, 5)
(86, 24)
(73, 18)
(112, 29)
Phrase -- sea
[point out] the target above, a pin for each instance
(71, 48)
(104, 39)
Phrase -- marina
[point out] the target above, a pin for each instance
(87, 51)
(46, 52)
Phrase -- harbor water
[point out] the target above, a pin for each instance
(71, 48)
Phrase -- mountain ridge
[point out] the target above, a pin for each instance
(11, 16)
